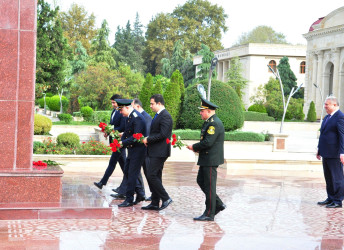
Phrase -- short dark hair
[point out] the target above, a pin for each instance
(137, 102)
(116, 96)
(158, 98)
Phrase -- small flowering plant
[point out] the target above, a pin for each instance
(138, 137)
(115, 146)
(176, 142)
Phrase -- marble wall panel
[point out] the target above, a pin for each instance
(7, 133)
(9, 14)
(27, 14)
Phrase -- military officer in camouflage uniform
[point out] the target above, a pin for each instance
(210, 149)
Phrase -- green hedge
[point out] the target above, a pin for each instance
(257, 108)
(189, 134)
(101, 116)
(257, 116)
(230, 110)
(87, 113)
(67, 118)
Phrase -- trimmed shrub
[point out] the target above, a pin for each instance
(311, 115)
(54, 103)
(256, 116)
(41, 101)
(101, 116)
(257, 108)
(86, 113)
(42, 125)
(68, 140)
(230, 110)
(67, 118)
(189, 134)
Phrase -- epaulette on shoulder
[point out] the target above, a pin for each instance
(134, 114)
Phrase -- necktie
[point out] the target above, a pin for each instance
(328, 118)
(156, 114)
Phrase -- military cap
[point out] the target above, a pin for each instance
(123, 102)
(207, 104)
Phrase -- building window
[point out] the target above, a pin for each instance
(303, 67)
(272, 64)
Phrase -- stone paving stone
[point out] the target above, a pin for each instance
(265, 210)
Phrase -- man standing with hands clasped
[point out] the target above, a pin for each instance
(331, 150)
(211, 155)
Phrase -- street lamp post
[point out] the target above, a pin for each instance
(322, 101)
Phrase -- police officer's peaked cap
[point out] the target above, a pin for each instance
(123, 102)
(207, 104)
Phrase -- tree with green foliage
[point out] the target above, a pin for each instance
(157, 89)
(194, 23)
(311, 115)
(133, 81)
(172, 97)
(288, 78)
(100, 48)
(52, 52)
(235, 78)
(79, 62)
(139, 45)
(261, 34)
(78, 26)
(146, 93)
(178, 77)
(96, 85)
(204, 67)
(164, 81)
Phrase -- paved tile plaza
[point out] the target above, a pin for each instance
(265, 210)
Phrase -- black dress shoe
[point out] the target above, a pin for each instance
(139, 199)
(165, 204)
(334, 205)
(325, 202)
(148, 198)
(98, 184)
(118, 196)
(220, 208)
(126, 204)
(204, 218)
(150, 207)
(116, 190)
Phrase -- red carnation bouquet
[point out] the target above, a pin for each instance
(138, 137)
(40, 165)
(108, 131)
(176, 142)
(115, 146)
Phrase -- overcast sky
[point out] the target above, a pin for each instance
(292, 18)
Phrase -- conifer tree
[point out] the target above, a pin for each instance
(172, 97)
(311, 115)
(157, 88)
(146, 93)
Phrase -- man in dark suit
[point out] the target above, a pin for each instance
(331, 150)
(137, 104)
(136, 151)
(118, 121)
(211, 155)
(158, 151)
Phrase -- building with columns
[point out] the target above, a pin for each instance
(325, 60)
(254, 58)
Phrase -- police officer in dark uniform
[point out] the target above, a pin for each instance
(211, 155)
(136, 152)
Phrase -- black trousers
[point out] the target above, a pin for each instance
(206, 180)
(334, 177)
(132, 171)
(154, 176)
(119, 157)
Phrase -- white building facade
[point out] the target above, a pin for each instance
(254, 58)
(325, 60)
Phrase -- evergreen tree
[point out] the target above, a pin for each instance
(52, 51)
(79, 62)
(101, 50)
(157, 88)
(146, 93)
(188, 69)
(288, 77)
(311, 115)
(172, 97)
(235, 78)
(139, 45)
(204, 67)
